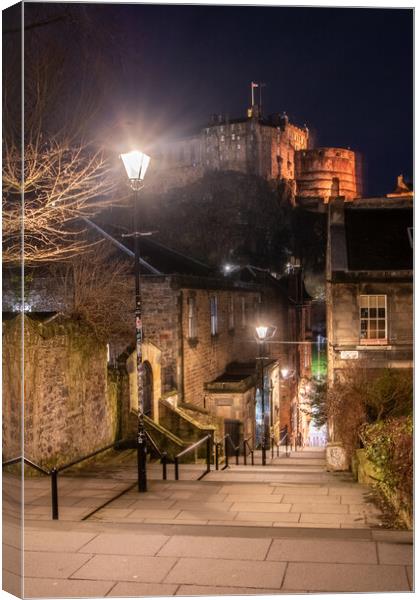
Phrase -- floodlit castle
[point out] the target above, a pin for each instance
(270, 147)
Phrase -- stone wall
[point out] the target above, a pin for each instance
(70, 407)
(344, 326)
(206, 356)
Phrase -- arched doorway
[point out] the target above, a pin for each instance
(147, 389)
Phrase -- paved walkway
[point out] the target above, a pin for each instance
(286, 528)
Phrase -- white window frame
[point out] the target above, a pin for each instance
(192, 318)
(371, 318)
(213, 315)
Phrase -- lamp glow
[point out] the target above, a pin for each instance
(136, 164)
(284, 372)
(265, 332)
(261, 332)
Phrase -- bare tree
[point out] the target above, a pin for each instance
(97, 288)
(56, 172)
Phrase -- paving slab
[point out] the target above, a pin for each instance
(59, 588)
(12, 559)
(12, 583)
(59, 564)
(395, 554)
(206, 515)
(213, 547)
(125, 568)
(143, 513)
(267, 516)
(267, 498)
(260, 507)
(320, 508)
(302, 490)
(56, 541)
(123, 543)
(306, 498)
(330, 518)
(227, 573)
(213, 590)
(323, 551)
(130, 589)
(333, 577)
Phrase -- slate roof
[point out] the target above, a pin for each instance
(155, 258)
(378, 239)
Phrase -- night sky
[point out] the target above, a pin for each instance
(346, 73)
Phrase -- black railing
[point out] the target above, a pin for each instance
(284, 441)
(229, 444)
(161, 453)
(53, 473)
(209, 443)
(248, 448)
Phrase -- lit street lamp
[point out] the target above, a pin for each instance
(263, 333)
(136, 164)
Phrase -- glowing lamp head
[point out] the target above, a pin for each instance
(136, 164)
(284, 372)
(265, 332)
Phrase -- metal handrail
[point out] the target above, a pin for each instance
(280, 443)
(208, 440)
(227, 439)
(162, 454)
(251, 451)
(53, 473)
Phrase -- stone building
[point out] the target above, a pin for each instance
(199, 353)
(369, 295)
(270, 147)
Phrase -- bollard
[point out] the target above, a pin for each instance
(216, 457)
(54, 493)
(252, 457)
(164, 463)
(272, 448)
(237, 455)
(244, 453)
(176, 469)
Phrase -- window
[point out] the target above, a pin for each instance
(192, 318)
(213, 315)
(243, 311)
(222, 138)
(233, 136)
(373, 325)
(231, 314)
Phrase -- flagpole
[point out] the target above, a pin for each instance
(252, 93)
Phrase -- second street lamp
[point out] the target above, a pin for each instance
(263, 333)
(136, 164)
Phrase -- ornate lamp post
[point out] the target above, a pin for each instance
(136, 164)
(263, 333)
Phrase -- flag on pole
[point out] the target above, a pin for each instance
(254, 85)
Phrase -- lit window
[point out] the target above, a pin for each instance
(222, 138)
(373, 319)
(213, 315)
(192, 318)
(238, 146)
(233, 136)
(231, 313)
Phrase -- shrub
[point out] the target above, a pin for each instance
(389, 445)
